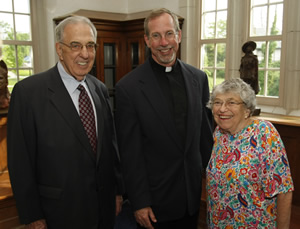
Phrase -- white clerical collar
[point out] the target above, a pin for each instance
(168, 69)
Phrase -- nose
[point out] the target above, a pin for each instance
(164, 41)
(84, 52)
(223, 107)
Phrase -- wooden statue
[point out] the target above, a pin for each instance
(249, 66)
(4, 92)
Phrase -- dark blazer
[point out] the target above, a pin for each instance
(53, 171)
(158, 171)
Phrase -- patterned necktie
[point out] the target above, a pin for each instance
(87, 116)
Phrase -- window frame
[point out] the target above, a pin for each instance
(17, 43)
(234, 54)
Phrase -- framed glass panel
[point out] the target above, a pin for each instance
(6, 5)
(221, 5)
(22, 6)
(209, 5)
(210, 76)
(109, 74)
(134, 55)
(6, 26)
(25, 56)
(23, 28)
(221, 55)
(221, 24)
(274, 54)
(273, 83)
(208, 55)
(275, 19)
(259, 21)
(9, 55)
(109, 54)
(209, 25)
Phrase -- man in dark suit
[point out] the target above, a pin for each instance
(164, 130)
(58, 179)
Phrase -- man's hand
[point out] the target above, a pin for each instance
(119, 202)
(39, 224)
(144, 217)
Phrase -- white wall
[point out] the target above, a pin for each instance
(47, 10)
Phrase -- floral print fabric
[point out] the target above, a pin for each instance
(245, 172)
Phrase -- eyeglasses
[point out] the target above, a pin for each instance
(76, 46)
(228, 104)
(168, 36)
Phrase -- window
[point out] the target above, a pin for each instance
(225, 28)
(213, 40)
(16, 36)
(266, 30)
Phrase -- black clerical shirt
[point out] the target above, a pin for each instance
(171, 82)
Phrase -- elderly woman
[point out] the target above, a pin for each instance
(249, 183)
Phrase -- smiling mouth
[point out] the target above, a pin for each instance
(225, 116)
(82, 63)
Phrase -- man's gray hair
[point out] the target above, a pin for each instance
(59, 29)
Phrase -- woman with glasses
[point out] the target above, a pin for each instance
(249, 183)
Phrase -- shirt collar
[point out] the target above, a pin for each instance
(70, 82)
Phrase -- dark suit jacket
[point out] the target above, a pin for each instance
(157, 170)
(53, 171)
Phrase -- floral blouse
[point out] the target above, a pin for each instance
(245, 172)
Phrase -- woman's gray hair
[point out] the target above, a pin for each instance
(157, 13)
(59, 29)
(236, 86)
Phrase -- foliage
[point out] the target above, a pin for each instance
(9, 51)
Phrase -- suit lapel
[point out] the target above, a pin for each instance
(192, 88)
(151, 89)
(61, 99)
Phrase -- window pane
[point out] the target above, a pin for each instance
(23, 73)
(221, 55)
(6, 26)
(12, 79)
(6, 5)
(220, 76)
(23, 27)
(259, 2)
(209, 25)
(275, 19)
(261, 82)
(25, 56)
(259, 21)
(109, 54)
(210, 76)
(274, 54)
(274, 1)
(9, 55)
(109, 74)
(260, 52)
(209, 55)
(221, 24)
(209, 5)
(22, 6)
(222, 4)
(273, 83)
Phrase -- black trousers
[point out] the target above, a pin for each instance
(187, 222)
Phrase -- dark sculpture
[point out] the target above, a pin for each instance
(4, 92)
(249, 66)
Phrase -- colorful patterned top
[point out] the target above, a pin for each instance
(245, 171)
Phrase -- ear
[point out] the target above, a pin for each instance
(147, 40)
(3, 65)
(179, 36)
(59, 50)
